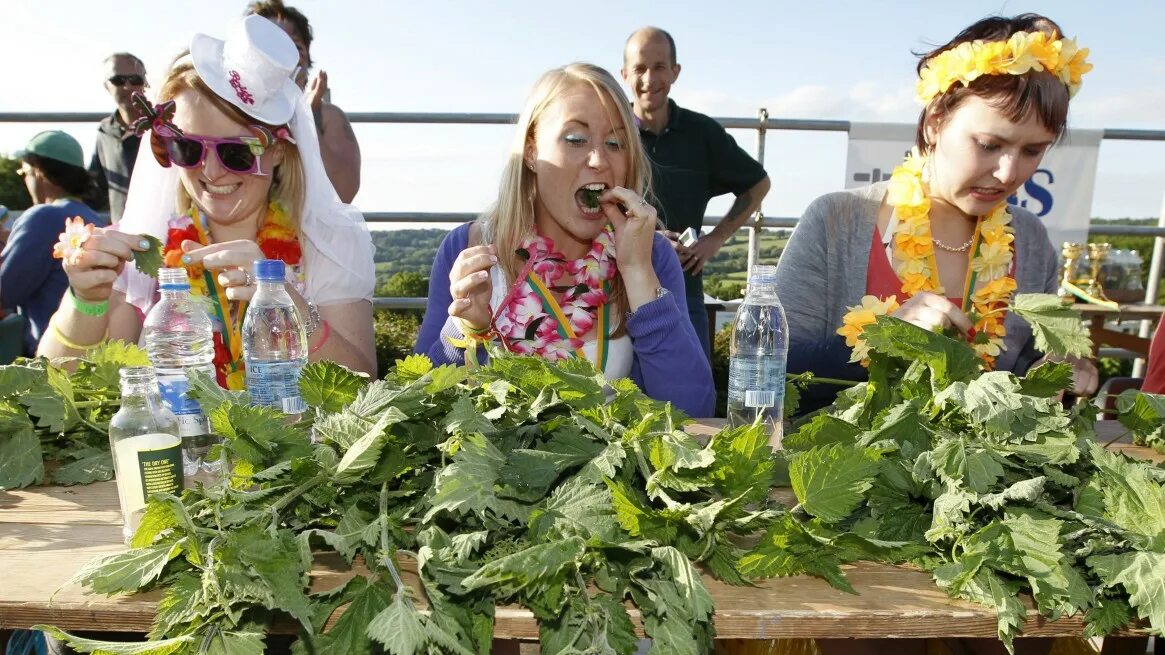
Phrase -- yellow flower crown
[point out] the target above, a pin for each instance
(1023, 52)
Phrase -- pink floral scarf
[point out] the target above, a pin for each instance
(532, 321)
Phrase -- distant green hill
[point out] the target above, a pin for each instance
(405, 251)
(413, 250)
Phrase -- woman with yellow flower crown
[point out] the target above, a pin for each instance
(233, 175)
(938, 245)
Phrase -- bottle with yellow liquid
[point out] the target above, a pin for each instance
(147, 451)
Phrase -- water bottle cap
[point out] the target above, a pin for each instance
(762, 274)
(173, 278)
(269, 270)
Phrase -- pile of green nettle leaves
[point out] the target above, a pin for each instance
(523, 482)
(48, 414)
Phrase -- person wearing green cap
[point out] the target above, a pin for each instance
(31, 281)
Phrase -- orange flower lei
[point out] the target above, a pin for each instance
(278, 238)
(914, 262)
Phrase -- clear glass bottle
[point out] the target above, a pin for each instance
(757, 356)
(147, 451)
(274, 342)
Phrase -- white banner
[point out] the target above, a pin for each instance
(1059, 192)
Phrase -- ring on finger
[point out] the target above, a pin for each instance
(248, 279)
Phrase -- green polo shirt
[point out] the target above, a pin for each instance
(693, 161)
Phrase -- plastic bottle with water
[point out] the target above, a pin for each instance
(274, 342)
(759, 348)
(179, 338)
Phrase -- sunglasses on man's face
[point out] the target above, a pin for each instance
(189, 151)
(132, 80)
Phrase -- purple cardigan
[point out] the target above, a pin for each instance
(668, 363)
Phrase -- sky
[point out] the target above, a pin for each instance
(847, 60)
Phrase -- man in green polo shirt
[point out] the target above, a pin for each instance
(693, 160)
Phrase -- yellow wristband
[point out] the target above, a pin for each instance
(64, 341)
(471, 331)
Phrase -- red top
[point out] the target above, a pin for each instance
(883, 282)
(1155, 373)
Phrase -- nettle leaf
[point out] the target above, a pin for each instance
(329, 386)
(363, 455)
(148, 261)
(1142, 574)
(412, 368)
(83, 645)
(1023, 491)
(127, 571)
(229, 642)
(949, 360)
(159, 517)
(467, 484)
(101, 366)
(1132, 499)
(536, 566)
(21, 458)
(821, 430)
(1144, 414)
(687, 579)
(534, 470)
(205, 390)
(1047, 379)
(90, 464)
(350, 635)
(1058, 328)
(744, 463)
(786, 549)
(51, 401)
(278, 563)
(830, 480)
(182, 603)
(445, 377)
(464, 418)
(400, 628)
(258, 435)
(1106, 615)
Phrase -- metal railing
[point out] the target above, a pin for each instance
(763, 124)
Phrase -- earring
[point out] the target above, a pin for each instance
(530, 165)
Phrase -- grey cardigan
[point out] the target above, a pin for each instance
(822, 271)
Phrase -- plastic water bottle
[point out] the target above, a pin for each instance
(147, 451)
(179, 338)
(760, 346)
(274, 342)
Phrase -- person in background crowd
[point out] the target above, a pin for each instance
(338, 145)
(568, 262)
(31, 281)
(240, 163)
(938, 243)
(117, 145)
(693, 159)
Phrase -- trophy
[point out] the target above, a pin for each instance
(1071, 253)
(1097, 253)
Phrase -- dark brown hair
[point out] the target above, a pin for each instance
(274, 10)
(73, 180)
(1038, 93)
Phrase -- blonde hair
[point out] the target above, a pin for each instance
(511, 219)
(288, 182)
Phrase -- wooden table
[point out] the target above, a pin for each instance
(1097, 316)
(48, 533)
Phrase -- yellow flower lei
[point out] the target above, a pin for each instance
(914, 262)
(1019, 54)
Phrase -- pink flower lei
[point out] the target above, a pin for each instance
(523, 322)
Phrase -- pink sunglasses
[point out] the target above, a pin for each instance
(241, 155)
